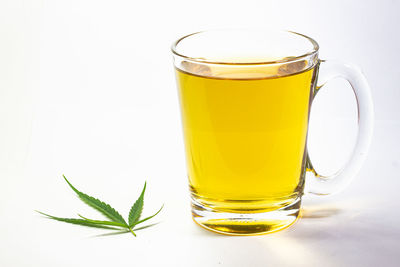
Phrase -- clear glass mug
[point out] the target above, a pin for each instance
(245, 99)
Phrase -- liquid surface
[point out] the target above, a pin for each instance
(245, 138)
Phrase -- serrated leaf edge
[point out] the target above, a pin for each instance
(98, 205)
(77, 221)
(137, 208)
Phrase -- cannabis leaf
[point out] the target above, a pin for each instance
(136, 210)
(116, 221)
(102, 207)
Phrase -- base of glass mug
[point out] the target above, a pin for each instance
(230, 223)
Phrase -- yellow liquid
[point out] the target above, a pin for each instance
(245, 138)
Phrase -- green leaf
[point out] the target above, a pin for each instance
(148, 218)
(136, 210)
(103, 222)
(77, 221)
(99, 205)
(117, 223)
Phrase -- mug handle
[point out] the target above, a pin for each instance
(323, 185)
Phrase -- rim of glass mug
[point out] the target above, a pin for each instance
(311, 53)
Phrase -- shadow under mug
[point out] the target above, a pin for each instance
(245, 98)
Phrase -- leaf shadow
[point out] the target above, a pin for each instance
(317, 212)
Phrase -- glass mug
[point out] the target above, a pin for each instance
(245, 98)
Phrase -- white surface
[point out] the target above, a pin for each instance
(87, 89)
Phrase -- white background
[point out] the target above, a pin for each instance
(87, 90)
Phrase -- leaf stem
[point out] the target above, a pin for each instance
(130, 229)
